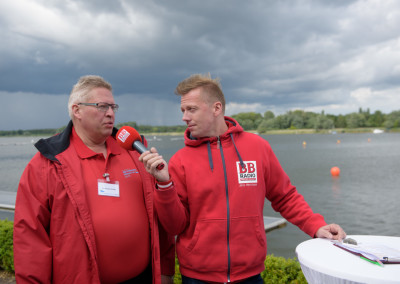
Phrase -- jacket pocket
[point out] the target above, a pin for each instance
(248, 243)
(207, 249)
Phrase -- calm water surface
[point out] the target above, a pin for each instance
(363, 200)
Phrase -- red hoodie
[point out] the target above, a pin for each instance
(216, 204)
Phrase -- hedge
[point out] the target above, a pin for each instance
(6, 245)
(277, 269)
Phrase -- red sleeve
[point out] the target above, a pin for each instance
(32, 246)
(167, 251)
(172, 213)
(286, 200)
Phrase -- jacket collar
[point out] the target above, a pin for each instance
(52, 146)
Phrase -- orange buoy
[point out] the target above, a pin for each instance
(335, 171)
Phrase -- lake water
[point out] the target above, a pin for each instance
(363, 200)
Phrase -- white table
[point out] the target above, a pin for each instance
(322, 262)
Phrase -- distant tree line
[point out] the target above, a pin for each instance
(153, 129)
(296, 119)
(299, 119)
(53, 131)
(32, 132)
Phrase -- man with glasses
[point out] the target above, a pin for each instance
(84, 209)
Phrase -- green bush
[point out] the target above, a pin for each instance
(281, 270)
(277, 270)
(6, 245)
(178, 276)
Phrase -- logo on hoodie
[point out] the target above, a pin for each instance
(248, 173)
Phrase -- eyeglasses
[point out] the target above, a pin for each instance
(102, 106)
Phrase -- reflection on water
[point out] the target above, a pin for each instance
(336, 187)
(363, 199)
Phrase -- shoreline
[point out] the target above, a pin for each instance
(268, 132)
(296, 131)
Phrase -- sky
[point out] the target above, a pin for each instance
(331, 56)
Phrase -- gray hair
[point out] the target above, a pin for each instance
(82, 88)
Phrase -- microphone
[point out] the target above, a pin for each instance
(129, 138)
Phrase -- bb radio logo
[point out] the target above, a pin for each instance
(123, 135)
(248, 174)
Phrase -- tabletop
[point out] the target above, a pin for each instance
(322, 262)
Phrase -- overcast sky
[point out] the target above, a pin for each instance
(332, 56)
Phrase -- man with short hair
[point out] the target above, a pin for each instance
(215, 196)
(84, 209)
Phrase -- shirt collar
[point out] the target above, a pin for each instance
(85, 152)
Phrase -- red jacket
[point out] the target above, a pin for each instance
(216, 204)
(53, 231)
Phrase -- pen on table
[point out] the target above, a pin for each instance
(380, 262)
(377, 262)
(373, 258)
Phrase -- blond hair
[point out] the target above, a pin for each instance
(211, 88)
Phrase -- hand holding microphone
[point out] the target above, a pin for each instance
(128, 138)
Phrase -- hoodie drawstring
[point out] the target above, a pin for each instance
(210, 160)
(237, 152)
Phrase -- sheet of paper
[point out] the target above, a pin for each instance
(371, 250)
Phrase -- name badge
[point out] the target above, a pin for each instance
(108, 188)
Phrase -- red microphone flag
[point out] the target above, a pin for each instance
(129, 138)
(126, 136)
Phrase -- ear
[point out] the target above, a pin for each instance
(76, 111)
(217, 108)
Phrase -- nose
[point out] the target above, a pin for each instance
(185, 116)
(110, 111)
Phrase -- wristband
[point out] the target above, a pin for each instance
(164, 185)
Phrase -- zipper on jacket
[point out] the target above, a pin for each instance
(219, 144)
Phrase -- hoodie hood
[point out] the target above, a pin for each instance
(233, 127)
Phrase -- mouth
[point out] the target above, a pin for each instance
(109, 124)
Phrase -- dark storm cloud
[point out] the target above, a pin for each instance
(335, 56)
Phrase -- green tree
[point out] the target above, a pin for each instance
(392, 120)
(282, 121)
(268, 122)
(321, 121)
(296, 118)
(248, 120)
(376, 119)
(268, 115)
(340, 121)
(130, 123)
(267, 125)
(355, 120)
